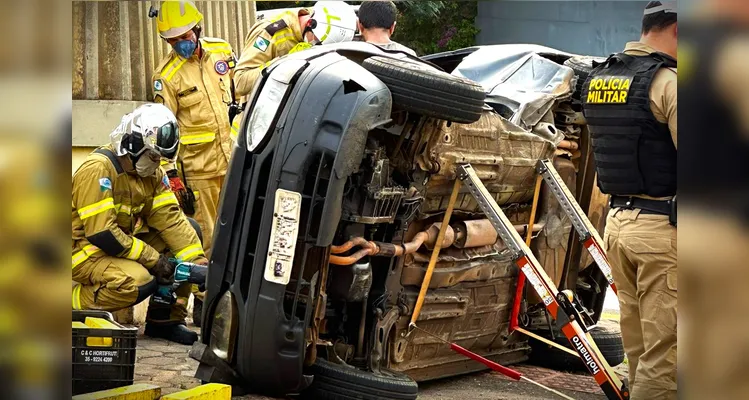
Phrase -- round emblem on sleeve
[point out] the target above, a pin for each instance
(222, 67)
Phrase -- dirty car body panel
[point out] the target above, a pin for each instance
(361, 167)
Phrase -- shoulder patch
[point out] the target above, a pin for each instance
(165, 182)
(276, 26)
(105, 184)
(158, 85)
(261, 43)
(221, 67)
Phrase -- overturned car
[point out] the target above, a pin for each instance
(334, 198)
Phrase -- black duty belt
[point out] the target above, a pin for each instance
(661, 207)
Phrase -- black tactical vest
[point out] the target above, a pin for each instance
(633, 152)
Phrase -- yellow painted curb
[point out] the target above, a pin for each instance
(209, 391)
(140, 391)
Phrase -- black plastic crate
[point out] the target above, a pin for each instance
(99, 368)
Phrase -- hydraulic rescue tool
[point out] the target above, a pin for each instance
(570, 319)
(586, 233)
(184, 272)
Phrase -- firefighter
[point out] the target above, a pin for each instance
(377, 24)
(194, 81)
(327, 22)
(629, 102)
(127, 224)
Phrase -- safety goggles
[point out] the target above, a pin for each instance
(162, 140)
(167, 140)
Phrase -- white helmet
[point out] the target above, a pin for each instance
(150, 127)
(333, 22)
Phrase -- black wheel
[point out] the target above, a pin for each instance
(583, 66)
(341, 382)
(427, 91)
(607, 338)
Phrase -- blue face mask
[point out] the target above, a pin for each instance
(185, 48)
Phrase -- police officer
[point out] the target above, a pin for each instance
(327, 22)
(377, 24)
(629, 102)
(194, 81)
(125, 217)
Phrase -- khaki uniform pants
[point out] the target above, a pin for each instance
(111, 284)
(206, 213)
(642, 251)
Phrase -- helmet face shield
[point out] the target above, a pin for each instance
(149, 127)
(167, 140)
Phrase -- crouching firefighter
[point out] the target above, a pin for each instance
(629, 103)
(127, 224)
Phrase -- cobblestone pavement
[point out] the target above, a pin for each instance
(167, 365)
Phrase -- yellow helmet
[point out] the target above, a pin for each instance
(177, 17)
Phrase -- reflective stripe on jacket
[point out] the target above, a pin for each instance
(111, 206)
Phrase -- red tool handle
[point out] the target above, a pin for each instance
(491, 364)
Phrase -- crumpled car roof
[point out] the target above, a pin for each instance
(519, 77)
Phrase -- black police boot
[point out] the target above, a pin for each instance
(178, 333)
(197, 312)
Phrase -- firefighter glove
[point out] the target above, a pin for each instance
(163, 271)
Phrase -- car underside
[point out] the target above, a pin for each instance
(333, 204)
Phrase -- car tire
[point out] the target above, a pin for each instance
(338, 382)
(424, 90)
(607, 338)
(583, 66)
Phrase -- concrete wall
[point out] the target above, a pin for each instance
(116, 46)
(115, 50)
(93, 120)
(581, 27)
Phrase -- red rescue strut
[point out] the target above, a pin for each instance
(560, 306)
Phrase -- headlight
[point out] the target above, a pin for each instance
(264, 112)
(269, 101)
(224, 329)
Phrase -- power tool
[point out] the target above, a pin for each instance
(184, 272)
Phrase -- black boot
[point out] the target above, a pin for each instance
(197, 312)
(173, 332)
